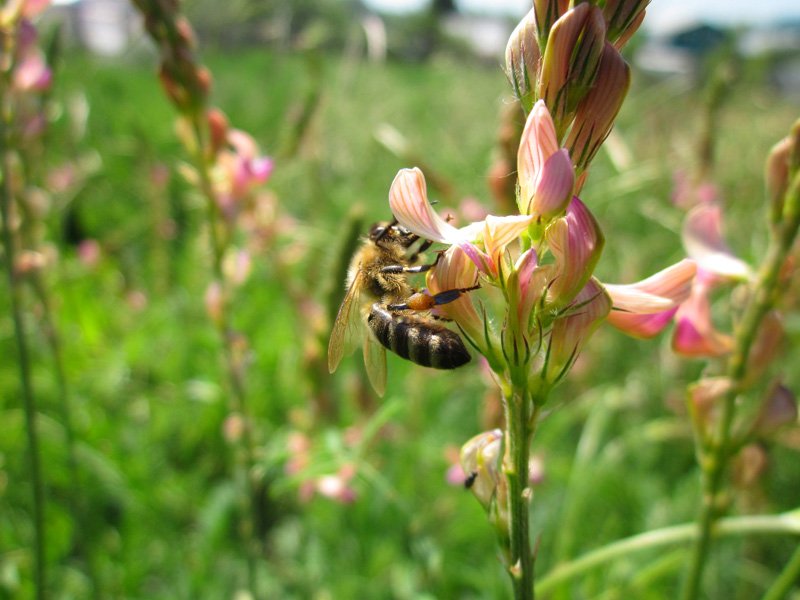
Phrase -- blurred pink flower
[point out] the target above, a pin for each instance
(695, 334)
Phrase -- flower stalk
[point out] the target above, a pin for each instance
(226, 170)
(12, 18)
(720, 446)
(20, 336)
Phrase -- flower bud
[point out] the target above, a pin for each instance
(523, 58)
(596, 112)
(783, 162)
(571, 61)
(749, 466)
(576, 241)
(547, 12)
(778, 409)
(481, 460)
(218, 129)
(571, 331)
(623, 18)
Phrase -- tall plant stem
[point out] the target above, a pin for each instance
(786, 580)
(77, 505)
(29, 401)
(245, 459)
(715, 455)
(521, 416)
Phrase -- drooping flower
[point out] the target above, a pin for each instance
(695, 334)
(644, 308)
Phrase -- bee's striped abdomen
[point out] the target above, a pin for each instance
(416, 339)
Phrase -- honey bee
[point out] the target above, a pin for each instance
(397, 317)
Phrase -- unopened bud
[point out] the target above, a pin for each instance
(215, 302)
(703, 397)
(749, 466)
(571, 61)
(623, 18)
(547, 12)
(595, 114)
(778, 409)
(185, 32)
(767, 345)
(481, 459)
(523, 60)
(218, 129)
(783, 163)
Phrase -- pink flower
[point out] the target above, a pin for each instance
(695, 334)
(644, 308)
(576, 242)
(545, 173)
(408, 199)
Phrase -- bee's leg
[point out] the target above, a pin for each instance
(424, 246)
(417, 269)
(450, 295)
(423, 301)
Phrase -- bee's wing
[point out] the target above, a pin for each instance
(344, 336)
(375, 361)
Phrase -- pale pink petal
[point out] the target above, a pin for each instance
(408, 199)
(483, 261)
(498, 232)
(531, 284)
(659, 292)
(32, 73)
(243, 143)
(576, 242)
(554, 189)
(455, 270)
(702, 238)
(641, 325)
(537, 144)
(694, 334)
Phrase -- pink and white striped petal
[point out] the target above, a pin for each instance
(408, 199)
(661, 291)
(537, 144)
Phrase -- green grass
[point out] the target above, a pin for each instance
(150, 394)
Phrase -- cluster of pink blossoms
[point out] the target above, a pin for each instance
(542, 259)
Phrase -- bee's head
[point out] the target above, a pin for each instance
(385, 232)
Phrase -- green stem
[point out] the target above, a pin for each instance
(715, 457)
(15, 292)
(77, 505)
(782, 524)
(245, 459)
(521, 418)
(790, 575)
